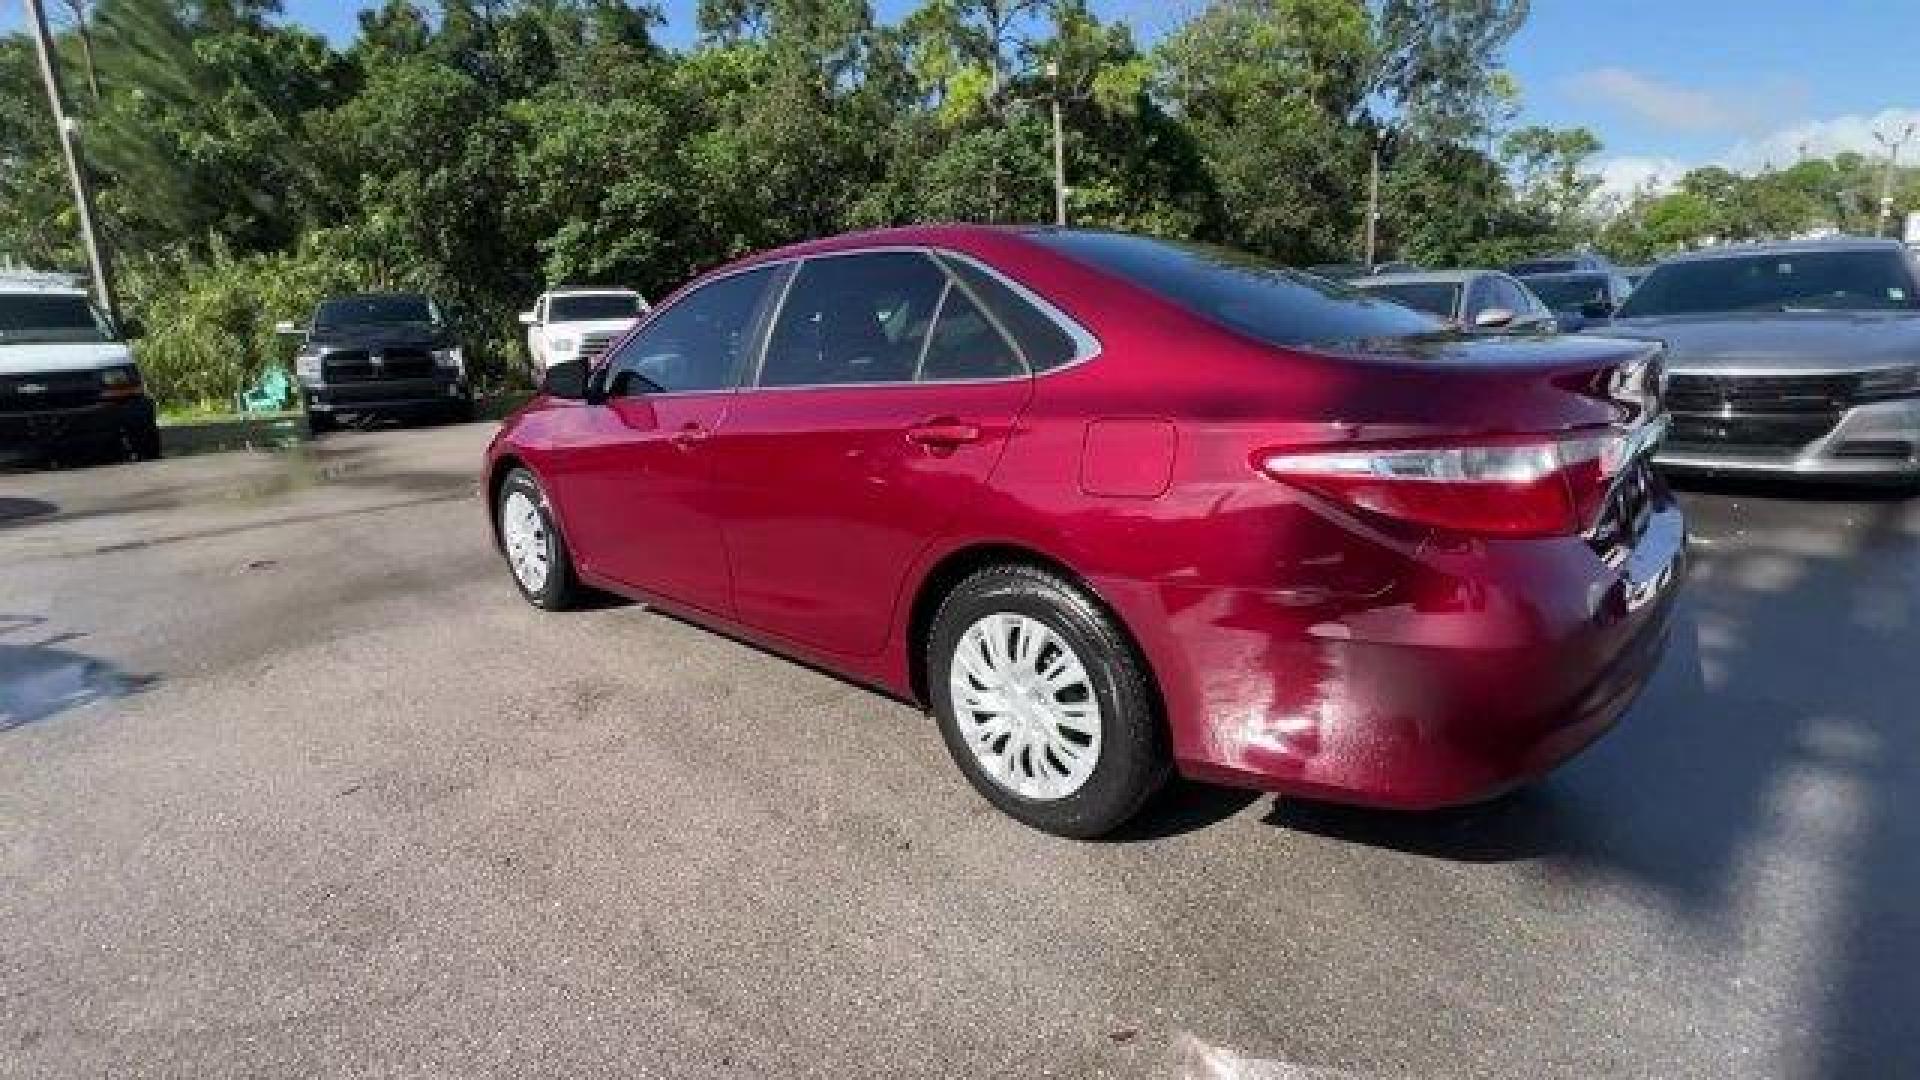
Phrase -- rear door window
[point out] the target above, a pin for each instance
(854, 319)
(967, 345)
(1244, 293)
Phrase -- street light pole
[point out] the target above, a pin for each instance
(1893, 147)
(1059, 150)
(1373, 205)
(76, 170)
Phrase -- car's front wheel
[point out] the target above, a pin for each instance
(1043, 702)
(531, 541)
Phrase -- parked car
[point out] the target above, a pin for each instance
(68, 382)
(1576, 262)
(1476, 301)
(380, 354)
(1579, 299)
(1799, 358)
(569, 324)
(1110, 506)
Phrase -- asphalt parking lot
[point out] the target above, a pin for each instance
(293, 783)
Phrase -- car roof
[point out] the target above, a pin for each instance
(377, 296)
(1568, 275)
(1421, 277)
(1786, 247)
(592, 290)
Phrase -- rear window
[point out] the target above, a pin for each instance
(1867, 280)
(1440, 298)
(1569, 293)
(1242, 292)
(392, 310)
(593, 308)
(49, 317)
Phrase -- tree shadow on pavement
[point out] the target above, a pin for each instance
(39, 681)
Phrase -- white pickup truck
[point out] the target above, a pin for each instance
(67, 380)
(577, 324)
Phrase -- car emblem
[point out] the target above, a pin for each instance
(31, 388)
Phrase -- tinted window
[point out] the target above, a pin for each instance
(49, 317)
(375, 311)
(1570, 293)
(1788, 281)
(854, 319)
(966, 345)
(590, 308)
(1440, 298)
(1545, 266)
(1041, 340)
(696, 344)
(1242, 292)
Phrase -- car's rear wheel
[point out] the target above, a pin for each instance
(1043, 702)
(529, 537)
(321, 422)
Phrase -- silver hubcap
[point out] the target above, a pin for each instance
(1025, 706)
(525, 532)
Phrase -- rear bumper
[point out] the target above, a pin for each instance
(31, 432)
(1501, 663)
(440, 391)
(1878, 441)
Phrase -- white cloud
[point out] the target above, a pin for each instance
(1824, 138)
(1663, 105)
(1623, 177)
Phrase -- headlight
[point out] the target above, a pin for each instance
(450, 358)
(123, 381)
(1893, 382)
(563, 344)
(307, 366)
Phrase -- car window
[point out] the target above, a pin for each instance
(854, 319)
(966, 344)
(1441, 298)
(1545, 266)
(395, 310)
(1041, 340)
(595, 306)
(696, 344)
(1862, 280)
(1242, 292)
(50, 317)
(1530, 304)
(1570, 292)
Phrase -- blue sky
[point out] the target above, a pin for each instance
(1665, 84)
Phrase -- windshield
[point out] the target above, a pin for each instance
(593, 307)
(1440, 298)
(1242, 292)
(50, 317)
(395, 310)
(1865, 280)
(1569, 293)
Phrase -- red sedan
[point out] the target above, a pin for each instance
(1112, 506)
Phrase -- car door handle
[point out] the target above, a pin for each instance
(943, 433)
(690, 436)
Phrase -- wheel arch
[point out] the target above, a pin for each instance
(956, 566)
(497, 473)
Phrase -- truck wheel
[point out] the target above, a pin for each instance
(318, 422)
(143, 442)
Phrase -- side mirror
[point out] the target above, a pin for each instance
(288, 329)
(1596, 309)
(568, 379)
(528, 318)
(1493, 318)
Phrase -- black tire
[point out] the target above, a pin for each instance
(1132, 761)
(321, 422)
(561, 589)
(462, 411)
(143, 442)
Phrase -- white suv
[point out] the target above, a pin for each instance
(66, 377)
(577, 324)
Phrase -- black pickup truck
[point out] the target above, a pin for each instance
(380, 354)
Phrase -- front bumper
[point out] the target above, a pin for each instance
(1499, 663)
(1880, 440)
(25, 433)
(440, 391)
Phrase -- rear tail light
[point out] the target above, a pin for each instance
(1547, 488)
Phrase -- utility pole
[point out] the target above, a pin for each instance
(76, 170)
(1059, 150)
(1893, 147)
(1373, 204)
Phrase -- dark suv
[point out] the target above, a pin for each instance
(380, 354)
